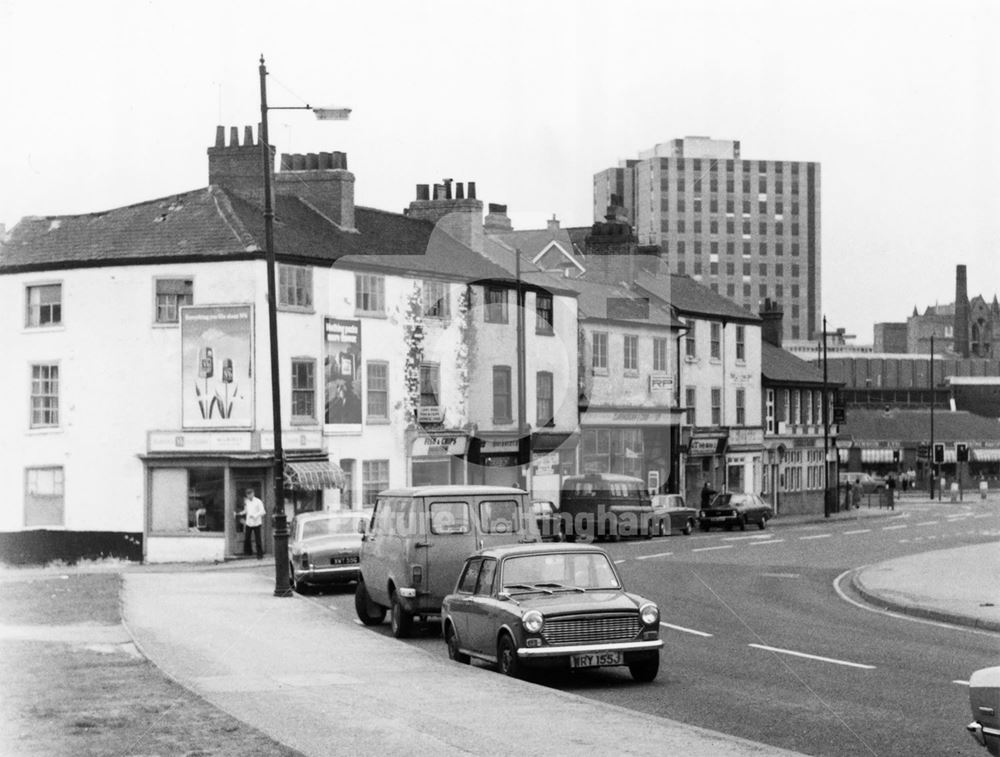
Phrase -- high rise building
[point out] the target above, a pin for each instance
(749, 229)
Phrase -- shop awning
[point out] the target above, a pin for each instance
(842, 455)
(550, 441)
(987, 455)
(313, 475)
(876, 455)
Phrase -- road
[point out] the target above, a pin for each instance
(764, 640)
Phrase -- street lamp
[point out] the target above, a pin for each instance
(930, 459)
(282, 587)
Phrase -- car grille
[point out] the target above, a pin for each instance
(582, 629)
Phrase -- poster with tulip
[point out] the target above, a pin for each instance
(217, 366)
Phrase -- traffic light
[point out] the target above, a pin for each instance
(938, 453)
(895, 455)
(962, 452)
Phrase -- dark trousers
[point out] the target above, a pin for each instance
(255, 530)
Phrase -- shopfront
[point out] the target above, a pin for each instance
(553, 457)
(495, 459)
(704, 462)
(644, 443)
(744, 453)
(438, 458)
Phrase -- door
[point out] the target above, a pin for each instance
(241, 482)
(481, 613)
(503, 519)
(451, 537)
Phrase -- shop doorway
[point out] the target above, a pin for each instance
(242, 482)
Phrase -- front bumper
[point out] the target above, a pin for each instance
(985, 736)
(535, 653)
(328, 573)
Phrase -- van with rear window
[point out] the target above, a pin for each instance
(416, 542)
(599, 506)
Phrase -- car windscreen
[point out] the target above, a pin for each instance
(581, 570)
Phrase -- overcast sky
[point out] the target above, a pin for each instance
(113, 103)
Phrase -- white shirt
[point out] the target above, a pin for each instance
(253, 510)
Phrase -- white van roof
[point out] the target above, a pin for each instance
(450, 490)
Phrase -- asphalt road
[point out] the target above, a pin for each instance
(764, 642)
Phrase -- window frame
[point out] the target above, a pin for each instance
(178, 300)
(435, 298)
(716, 398)
(505, 399)
(43, 403)
(543, 324)
(32, 498)
(661, 353)
(297, 273)
(369, 293)
(433, 373)
(373, 392)
(741, 343)
(303, 394)
(599, 356)
(715, 340)
(630, 353)
(544, 399)
(496, 311)
(372, 480)
(33, 311)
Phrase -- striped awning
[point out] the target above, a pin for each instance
(876, 455)
(313, 475)
(842, 455)
(986, 455)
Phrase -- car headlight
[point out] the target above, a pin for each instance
(532, 621)
(650, 614)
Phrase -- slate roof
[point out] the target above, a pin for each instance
(214, 224)
(691, 298)
(914, 425)
(593, 297)
(781, 366)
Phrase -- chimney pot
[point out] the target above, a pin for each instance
(220, 136)
(248, 136)
(286, 162)
(234, 136)
(298, 162)
(459, 191)
(472, 191)
(447, 189)
(423, 192)
(439, 192)
(340, 160)
(312, 161)
(325, 160)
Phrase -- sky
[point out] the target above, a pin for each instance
(107, 104)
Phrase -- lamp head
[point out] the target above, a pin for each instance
(332, 113)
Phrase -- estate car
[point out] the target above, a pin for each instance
(735, 509)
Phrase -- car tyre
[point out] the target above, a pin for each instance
(292, 583)
(399, 619)
(645, 671)
(451, 639)
(507, 661)
(368, 612)
(763, 522)
(743, 523)
(688, 527)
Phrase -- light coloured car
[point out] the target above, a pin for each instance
(323, 548)
(559, 606)
(984, 698)
(671, 515)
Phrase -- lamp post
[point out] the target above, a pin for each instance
(930, 460)
(282, 587)
(827, 504)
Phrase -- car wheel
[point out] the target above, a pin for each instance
(368, 612)
(645, 670)
(292, 583)
(451, 639)
(763, 522)
(399, 619)
(743, 523)
(688, 527)
(507, 662)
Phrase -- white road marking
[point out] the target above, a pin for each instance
(619, 562)
(780, 575)
(961, 683)
(706, 549)
(758, 537)
(772, 541)
(986, 515)
(928, 523)
(893, 528)
(816, 536)
(686, 630)
(813, 657)
(859, 531)
(658, 554)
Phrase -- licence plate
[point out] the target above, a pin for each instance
(343, 560)
(595, 660)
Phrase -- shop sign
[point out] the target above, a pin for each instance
(746, 437)
(209, 441)
(438, 445)
(741, 378)
(429, 414)
(703, 447)
(499, 447)
(545, 465)
(660, 381)
(293, 439)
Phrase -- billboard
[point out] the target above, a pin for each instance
(217, 366)
(342, 370)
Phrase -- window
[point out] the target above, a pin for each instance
(467, 583)
(378, 390)
(543, 313)
(630, 352)
(347, 495)
(741, 407)
(496, 305)
(807, 407)
(741, 343)
(484, 586)
(430, 384)
(303, 389)
(796, 418)
(716, 406)
(294, 286)
(435, 299)
(786, 412)
(690, 347)
(374, 478)
(501, 394)
(659, 354)
(44, 305)
(680, 225)
(44, 395)
(544, 409)
(599, 358)
(690, 398)
(716, 341)
(171, 294)
(43, 497)
(769, 411)
(369, 293)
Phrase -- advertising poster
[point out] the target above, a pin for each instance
(342, 371)
(216, 366)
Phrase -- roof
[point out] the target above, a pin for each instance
(594, 297)
(914, 425)
(450, 490)
(689, 297)
(782, 366)
(535, 548)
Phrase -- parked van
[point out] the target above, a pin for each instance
(605, 506)
(416, 542)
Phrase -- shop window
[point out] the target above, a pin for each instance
(295, 287)
(43, 497)
(374, 478)
(44, 305)
(187, 500)
(44, 395)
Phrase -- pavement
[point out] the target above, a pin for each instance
(315, 680)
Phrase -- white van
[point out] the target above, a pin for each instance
(416, 542)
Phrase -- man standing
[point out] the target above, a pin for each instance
(253, 516)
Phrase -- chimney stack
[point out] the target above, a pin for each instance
(497, 221)
(237, 167)
(961, 312)
(461, 217)
(322, 181)
(771, 315)
(553, 224)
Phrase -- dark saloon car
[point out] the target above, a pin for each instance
(323, 548)
(671, 515)
(548, 520)
(549, 606)
(735, 509)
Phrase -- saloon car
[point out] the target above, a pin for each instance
(735, 509)
(323, 548)
(671, 515)
(984, 697)
(562, 606)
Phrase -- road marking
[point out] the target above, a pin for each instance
(780, 575)
(812, 657)
(815, 536)
(706, 549)
(771, 541)
(892, 528)
(619, 562)
(961, 683)
(859, 531)
(686, 630)
(741, 538)
(928, 523)
(987, 515)
(658, 554)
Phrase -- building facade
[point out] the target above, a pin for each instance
(747, 229)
